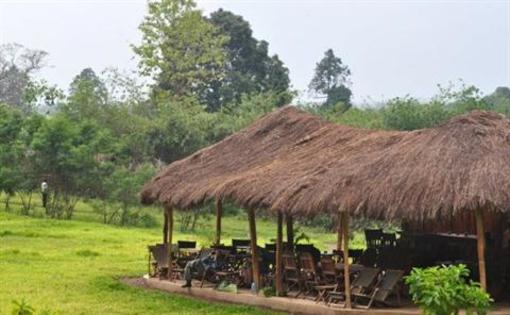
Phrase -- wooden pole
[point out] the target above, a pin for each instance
(165, 227)
(170, 214)
(339, 233)
(480, 238)
(347, 280)
(254, 252)
(279, 265)
(219, 208)
(290, 233)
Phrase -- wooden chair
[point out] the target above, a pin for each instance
(328, 270)
(158, 260)
(373, 237)
(308, 273)
(389, 240)
(387, 285)
(362, 284)
(291, 273)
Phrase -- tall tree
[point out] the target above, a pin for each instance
(249, 68)
(87, 96)
(17, 65)
(180, 49)
(331, 80)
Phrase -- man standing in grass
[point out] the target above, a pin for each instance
(44, 193)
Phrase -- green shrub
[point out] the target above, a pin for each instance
(444, 291)
(22, 308)
(268, 291)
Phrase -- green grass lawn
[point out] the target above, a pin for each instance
(73, 267)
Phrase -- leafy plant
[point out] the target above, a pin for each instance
(268, 291)
(22, 308)
(445, 291)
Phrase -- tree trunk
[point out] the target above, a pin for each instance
(480, 238)
(290, 232)
(170, 234)
(279, 265)
(254, 252)
(219, 209)
(347, 280)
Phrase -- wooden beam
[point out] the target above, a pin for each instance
(165, 227)
(347, 280)
(339, 233)
(254, 252)
(219, 208)
(279, 249)
(290, 232)
(480, 238)
(170, 215)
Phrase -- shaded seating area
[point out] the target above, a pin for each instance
(292, 164)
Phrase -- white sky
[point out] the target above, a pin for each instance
(393, 48)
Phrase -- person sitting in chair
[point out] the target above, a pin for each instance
(200, 265)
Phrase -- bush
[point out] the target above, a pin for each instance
(444, 291)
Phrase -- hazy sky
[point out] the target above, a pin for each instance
(393, 48)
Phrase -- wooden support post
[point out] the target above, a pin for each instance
(290, 233)
(347, 280)
(254, 252)
(219, 208)
(339, 233)
(480, 238)
(165, 227)
(170, 214)
(279, 249)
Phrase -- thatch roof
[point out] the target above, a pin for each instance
(295, 162)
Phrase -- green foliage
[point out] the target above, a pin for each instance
(330, 79)
(444, 291)
(180, 49)
(249, 68)
(409, 114)
(268, 291)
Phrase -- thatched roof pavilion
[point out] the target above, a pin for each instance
(292, 162)
(295, 162)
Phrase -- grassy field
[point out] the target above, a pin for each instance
(73, 267)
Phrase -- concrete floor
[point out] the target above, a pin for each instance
(285, 304)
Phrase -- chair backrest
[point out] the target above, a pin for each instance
(387, 284)
(307, 263)
(160, 254)
(373, 237)
(241, 243)
(328, 265)
(365, 279)
(289, 262)
(186, 244)
(309, 248)
(369, 257)
(271, 247)
(389, 239)
(355, 254)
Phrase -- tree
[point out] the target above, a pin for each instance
(180, 49)
(331, 80)
(249, 68)
(87, 96)
(17, 65)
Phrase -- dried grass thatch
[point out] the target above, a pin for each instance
(297, 163)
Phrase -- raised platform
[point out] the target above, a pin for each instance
(285, 304)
